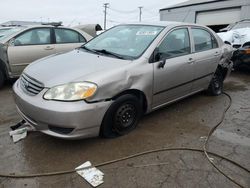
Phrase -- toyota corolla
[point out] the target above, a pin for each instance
(105, 86)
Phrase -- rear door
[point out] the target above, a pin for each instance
(29, 46)
(67, 39)
(206, 54)
(173, 67)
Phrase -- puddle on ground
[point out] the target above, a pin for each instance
(231, 137)
(235, 86)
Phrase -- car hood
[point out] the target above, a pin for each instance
(72, 66)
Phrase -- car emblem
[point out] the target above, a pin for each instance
(26, 84)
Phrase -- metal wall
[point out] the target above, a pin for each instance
(188, 13)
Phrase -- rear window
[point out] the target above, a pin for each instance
(203, 40)
(68, 36)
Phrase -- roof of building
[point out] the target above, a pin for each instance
(191, 3)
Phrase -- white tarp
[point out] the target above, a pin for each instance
(237, 36)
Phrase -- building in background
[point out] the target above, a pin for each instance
(216, 14)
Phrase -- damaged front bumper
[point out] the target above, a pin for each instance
(241, 57)
(68, 120)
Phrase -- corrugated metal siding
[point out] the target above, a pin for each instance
(188, 14)
(218, 17)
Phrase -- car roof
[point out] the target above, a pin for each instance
(164, 24)
(27, 27)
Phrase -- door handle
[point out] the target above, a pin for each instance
(190, 60)
(161, 64)
(216, 54)
(48, 48)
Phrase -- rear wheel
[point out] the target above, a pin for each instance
(2, 78)
(122, 116)
(216, 85)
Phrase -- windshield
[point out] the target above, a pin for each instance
(126, 41)
(5, 32)
(241, 25)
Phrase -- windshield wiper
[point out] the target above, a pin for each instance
(88, 49)
(103, 51)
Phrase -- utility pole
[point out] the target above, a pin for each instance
(140, 13)
(105, 14)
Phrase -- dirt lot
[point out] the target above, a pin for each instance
(182, 124)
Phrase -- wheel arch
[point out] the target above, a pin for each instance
(223, 70)
(3, 68)
(139, 94)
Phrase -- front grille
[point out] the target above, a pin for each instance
(30, 85)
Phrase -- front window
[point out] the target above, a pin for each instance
(34, 37)
(176, 43)
(127, 41)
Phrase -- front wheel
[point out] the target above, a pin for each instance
(216, 85)
(122, 116)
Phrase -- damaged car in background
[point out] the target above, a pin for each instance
(238, 35)
(105, 86)
(21, 45)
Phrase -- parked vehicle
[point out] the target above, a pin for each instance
(241, 57)
(22, 45)
(237, 25)
(105, 86)
(238, 35)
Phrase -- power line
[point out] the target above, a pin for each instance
(123, 11)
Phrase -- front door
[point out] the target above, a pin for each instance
(173, 69)
(28, 47)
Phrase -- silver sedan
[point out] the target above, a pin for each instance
(105, 86)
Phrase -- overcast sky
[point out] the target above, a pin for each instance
(74, 12)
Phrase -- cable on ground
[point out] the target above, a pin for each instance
(204, 150)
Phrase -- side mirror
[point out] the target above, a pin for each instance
(17, 42)
(11, 42)
(14, 42)
(156, 55)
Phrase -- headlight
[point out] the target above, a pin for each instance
(71, 91)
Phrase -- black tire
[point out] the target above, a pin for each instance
(121, 117)
(2, 78)
(216, 85)
(236, 64)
